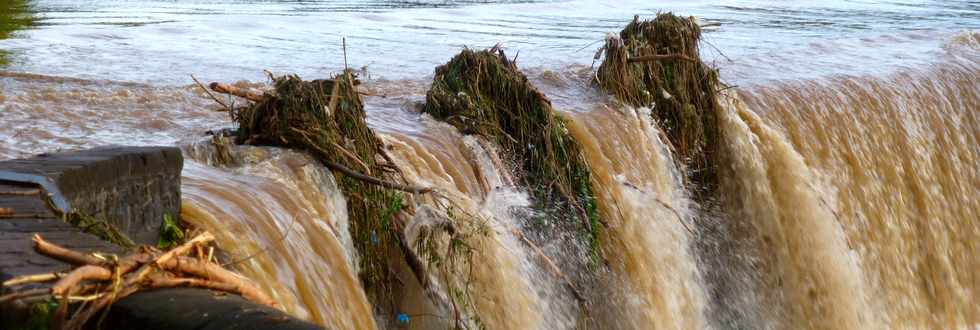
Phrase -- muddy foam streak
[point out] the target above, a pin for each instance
(647, 237)
(283, 221)
(510, 289)
(895, 159)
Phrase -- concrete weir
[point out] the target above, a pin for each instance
(132, 188)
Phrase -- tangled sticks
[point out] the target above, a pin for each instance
(326, 118)
(484, 93)
(657, 64)
(98, 280)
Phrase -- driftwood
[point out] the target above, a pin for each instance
(98, 282)
(212, 272)
(62, 254)
(232, 90)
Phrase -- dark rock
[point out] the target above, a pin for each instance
(199, 309)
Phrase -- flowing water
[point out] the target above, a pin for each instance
(850, 174)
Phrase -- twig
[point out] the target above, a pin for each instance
(678, 214)
(85, 314)
(646, 58)
(587, 46)
(85, 298)
(349, 155)
(29, 192)
(366, 178)
(184, 248)
(24, 294)
(215, 98)
(344, 41)
(215, 273)
(376, 181)
(163, 282)
(551, 264)
(259, 252)
(718, 50)
(32, 279)
(726, 88)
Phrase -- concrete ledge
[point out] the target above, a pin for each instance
(198, 309)
(31, 215)
(130, 187)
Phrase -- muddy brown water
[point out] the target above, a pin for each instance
(850, 194)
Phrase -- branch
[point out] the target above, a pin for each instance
(184, 248)
(84, 315)
(24, 294)
(363, 177)
(372, 180)
(59, 253)
(84, 273)
(214, 273)
(551, 264)
(199, 84)
(232, 90)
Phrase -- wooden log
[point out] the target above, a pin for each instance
(59, 253)
(216, 273)
(84, 273)
(232, 90)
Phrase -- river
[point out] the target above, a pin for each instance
(851, 195)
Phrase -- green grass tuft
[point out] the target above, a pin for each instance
(171, 235)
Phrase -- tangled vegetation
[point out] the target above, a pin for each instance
(326, 119)
(447, 240)
(101, 228)
(483, 93)
(656, 63)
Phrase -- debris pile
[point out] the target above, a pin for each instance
(484, 93)
(656, 63)
(74, 299)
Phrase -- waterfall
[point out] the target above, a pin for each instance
(282, 221)
(847, 202)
